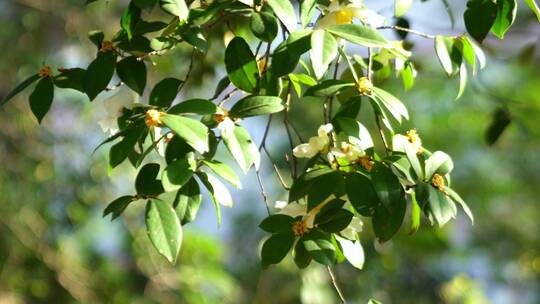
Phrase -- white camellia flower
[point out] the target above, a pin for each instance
(346, 151)
(315, 144)
(345, 13)
(113, 107)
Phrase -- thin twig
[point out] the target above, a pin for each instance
(286, 123)
(188, 74)
(404, 29)
(335, 284)
(280, 177)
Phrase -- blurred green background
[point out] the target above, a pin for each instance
(56, 248)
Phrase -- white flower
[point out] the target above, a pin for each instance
(226, 126)
(348, 152)
(113, 107)
(315, 144)
(344, 14)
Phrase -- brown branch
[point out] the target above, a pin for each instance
(336, 285)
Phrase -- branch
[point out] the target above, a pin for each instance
(335, 284)
(404, 29)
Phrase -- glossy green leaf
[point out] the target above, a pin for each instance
(353, 252)
(302, 259)
(284, 10)
(339, 221)
(534, 7)
(176, 8)
(264, 26)
(391, 103)
(164, 92)
(386, 185)
(188, 201)
(443, 48)
(441, 209)
(121, 150)
(479, 18)
(323, 51)
(456, 198)
(241, 65)
(401, 7)
(146, 183)
(320, 247)
(219, 191)
(506, 15)
(320, 191)
(408, 76)
(118, 206)
(242, 148)
(361, 193)
(415, 214)
(277, 223)
(463, 76)
(42, 97)
(224, 171)
(129, 19)
(329, 87)
(96, 37)
(71, 79)
(386, 222)
(286, 56)
(192, 131)
(132, 72)
(308, 8)
(256, 105)
(163, 228)
(276, 248)
(440, 163)
(359, 34)
(20, 87)
(99, 73)
(194, 106)
(177, 174)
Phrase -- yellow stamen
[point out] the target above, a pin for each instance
(413, 137)
(300, 228)
(366, 162)
(106, 46)
(343, 17)
(364, 86)
(153, 118)
(438, 182)
(45, 71)
(220, 117)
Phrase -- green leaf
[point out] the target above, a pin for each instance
(133, 73)
(320, 247)
(361, 193)
(242, 148)
(146, 183)
(176, 8)
(320, 191)
(20, 87)
(328, 88)
(408, 75)
(386, 185)
(42, 97)
(353, 251)
(277, 223)
(456, 198)
(241, 65)
(256, 105)
(118, 206)
(307, 11)
(177, 174)
(401, 7)
(479, 18)
(164, 229)
(467, 50)
(440, 207)
(284, 10)
(534, 7)
(164, 92)
(276, 248)
(500, 120)
(99, 74)
(359, 34)
(463, 76)
(391, 103)
(71, 79)
(506, 15)
(341, 219)
(129, 19)
(196, 38)
(224, 171)
(96, 37)
(286, 56)
(121, 150)
(194, 106)
(443, 48)
(415, 214)
(193, 132)
(188, 201)
(302, 259)
(219, 191)
(323, 51)
(264, 26)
